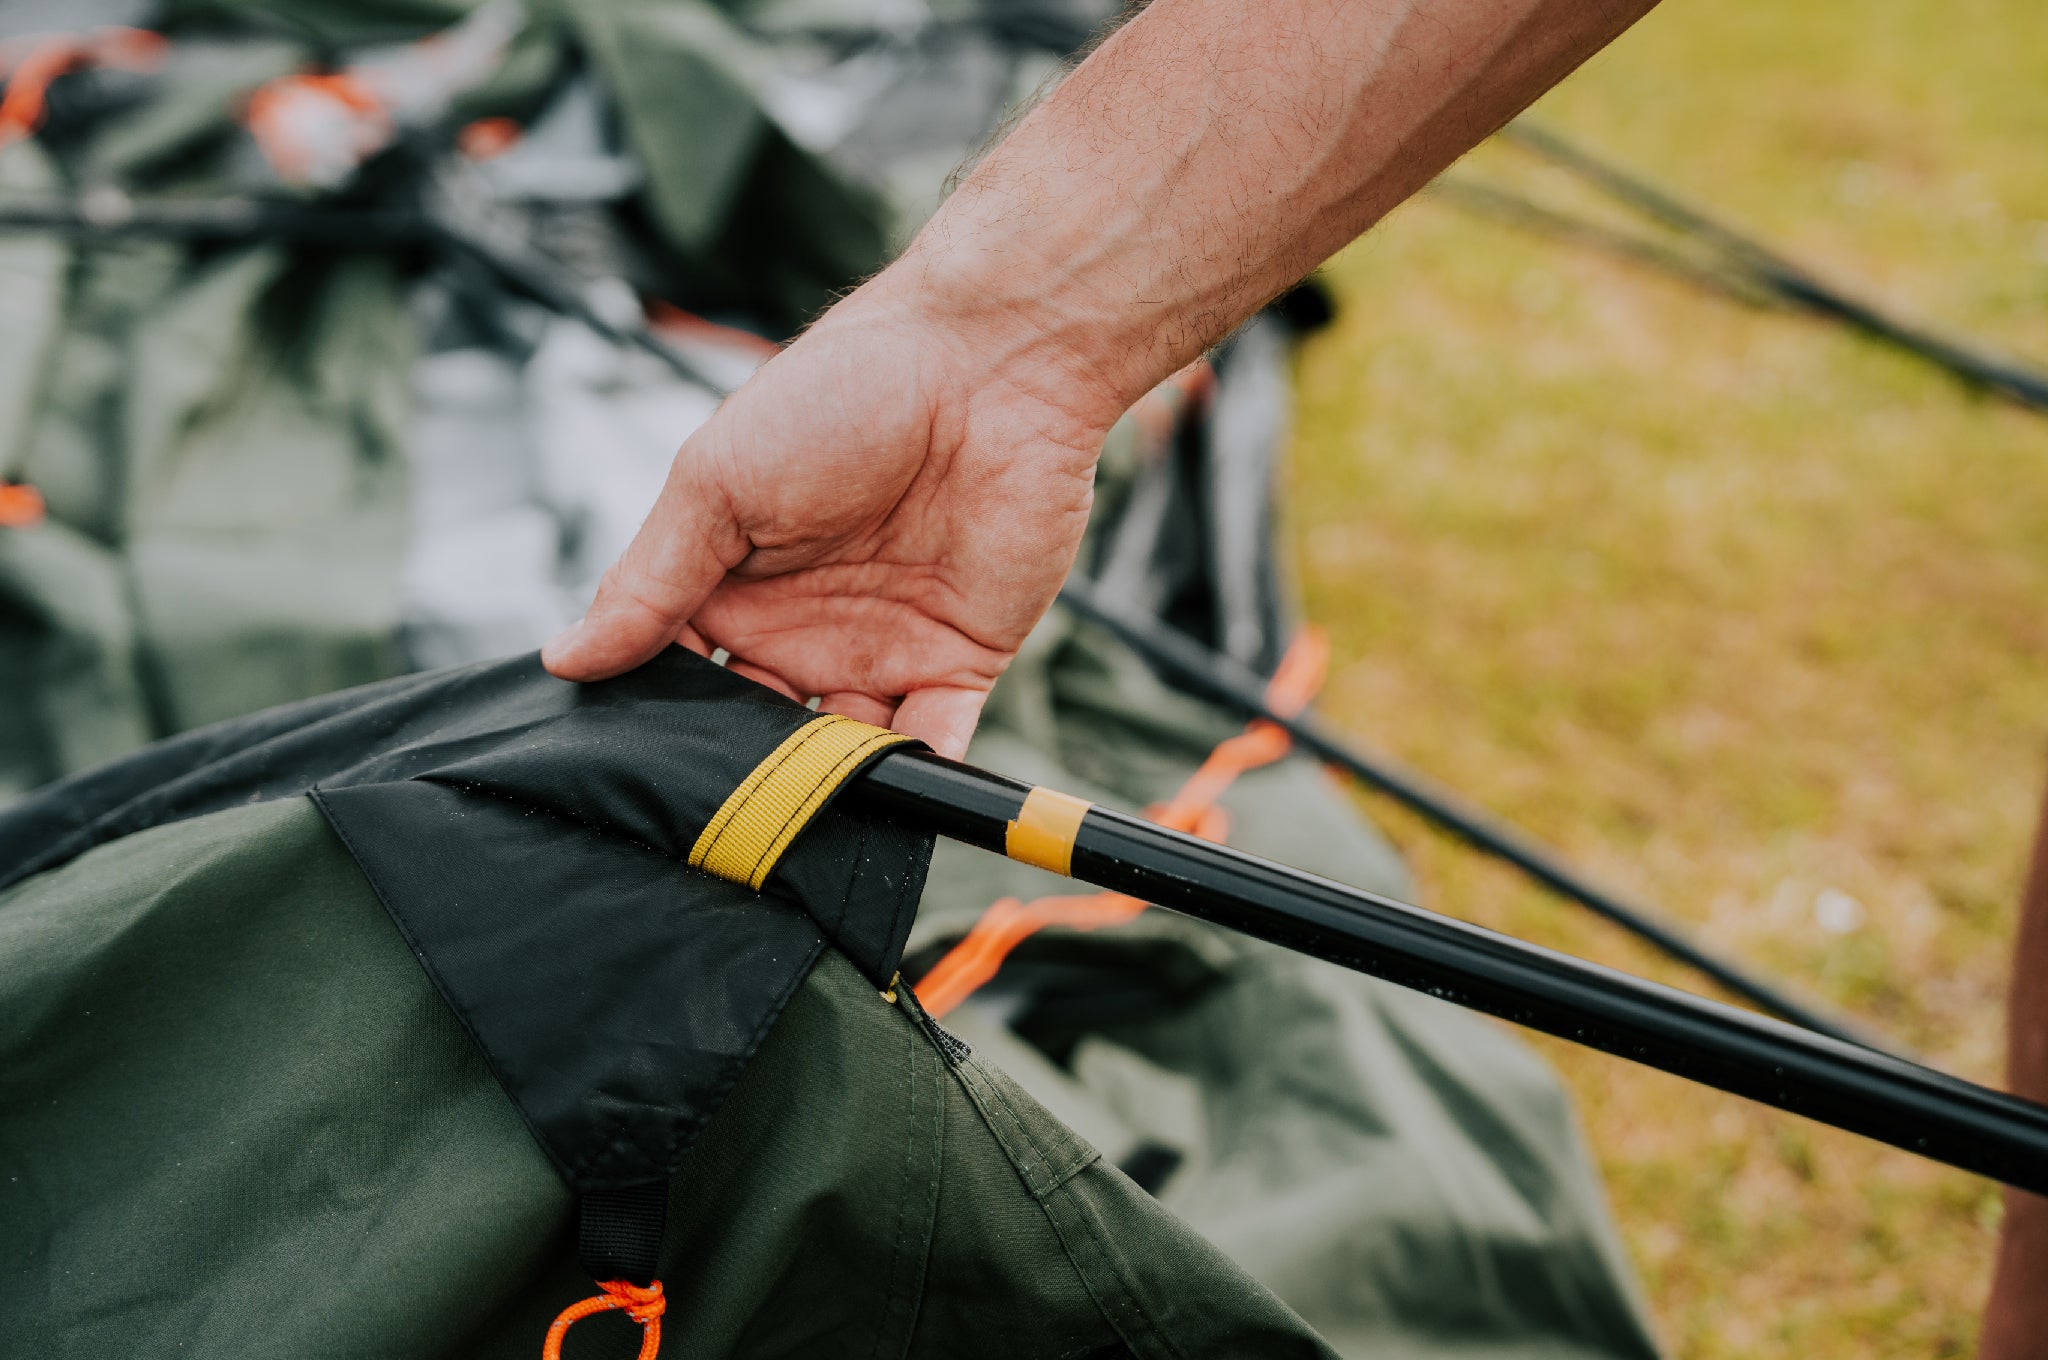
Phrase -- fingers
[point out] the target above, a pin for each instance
(683, 550)
(689, 637)
(942, 717)
(762, 676)
(865, 707)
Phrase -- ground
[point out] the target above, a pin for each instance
(1748, 615)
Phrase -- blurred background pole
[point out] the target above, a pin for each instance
(1223, 680)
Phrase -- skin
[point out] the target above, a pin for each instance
(882, 513)
(2016, 1317)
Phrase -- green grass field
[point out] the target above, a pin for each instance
(1745, 613)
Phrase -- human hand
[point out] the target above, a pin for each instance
(880, 516)
(877, 518)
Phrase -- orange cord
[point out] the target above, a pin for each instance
(279, 111)
(968, 965)
(42, 60)
(672, 320)
(643, 1304)
(488, 137)
(21, 506)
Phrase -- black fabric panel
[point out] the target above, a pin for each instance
(851, 866)
(529, 838)
(615, 992)
(618, 1232)
(278, 753)
(648, 756)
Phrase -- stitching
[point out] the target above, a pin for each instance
(860, 848)
(440, 985)
(804, 810)
(1029, 1145)
(1122, 1312)
(1128, 1297)
(687, 1130)
(1080, 1153)
(1126, 1304)
(760, 775)
(902, 1209)
(683, 1131)
(816, 732)
(908, 894)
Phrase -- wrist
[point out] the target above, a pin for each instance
(1018, 308)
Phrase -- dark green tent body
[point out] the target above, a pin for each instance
(356, 1027)
(317, 1025)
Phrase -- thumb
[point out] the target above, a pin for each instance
(682, 551)
(942, 717)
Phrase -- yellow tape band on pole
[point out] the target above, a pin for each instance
(747, 835)
(1044, 831)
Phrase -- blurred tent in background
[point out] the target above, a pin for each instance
(362, 353)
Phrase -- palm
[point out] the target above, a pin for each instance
(884, 547)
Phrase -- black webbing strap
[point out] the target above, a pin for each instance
(618, 1232)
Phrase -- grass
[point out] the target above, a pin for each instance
(1745, 613)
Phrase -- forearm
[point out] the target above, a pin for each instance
(1209, 154)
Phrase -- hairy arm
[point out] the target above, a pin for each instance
(1212, 152)
(881, 515)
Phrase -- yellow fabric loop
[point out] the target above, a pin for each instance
(749, 832)
(1044, 831)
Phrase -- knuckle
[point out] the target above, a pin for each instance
(627, 584)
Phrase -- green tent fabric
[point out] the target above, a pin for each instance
(761, 223)
(219, 576)
(217, 442)
(238, 1120)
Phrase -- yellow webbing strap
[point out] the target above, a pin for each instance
(749, 832)
(1044, 831)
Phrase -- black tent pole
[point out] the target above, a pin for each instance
(1218, 677)
(1843, 1084)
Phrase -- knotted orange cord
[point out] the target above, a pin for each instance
(279, 114)
(42, 60)
(969, 965)
(488, 137)
(21, 506)
(643, 1304)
